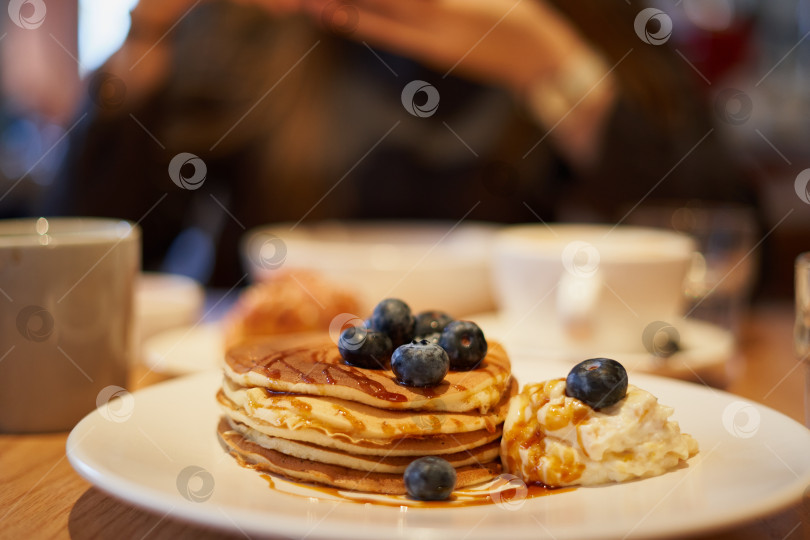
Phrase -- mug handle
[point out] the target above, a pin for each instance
(577, 300)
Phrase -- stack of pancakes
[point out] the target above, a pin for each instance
(303, 413)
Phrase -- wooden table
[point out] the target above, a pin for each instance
(42, 497)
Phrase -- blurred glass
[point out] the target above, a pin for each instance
(718, 286)
(801, 330)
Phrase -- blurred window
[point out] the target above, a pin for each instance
(103, 25)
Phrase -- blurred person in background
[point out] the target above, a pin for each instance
(39, 85)
(300, 110)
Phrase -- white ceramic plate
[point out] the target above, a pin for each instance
(158, 449)
(705, 350)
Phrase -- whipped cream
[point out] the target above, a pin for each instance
(551, 438)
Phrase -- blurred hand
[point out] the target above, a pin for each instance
(525, 46)
(506, 42)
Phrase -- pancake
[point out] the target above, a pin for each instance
(352, 421)
(317, 369)
(386, 464)
(258, 457)
(419, 445)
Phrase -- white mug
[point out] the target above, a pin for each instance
(589, 288)
(66, 322)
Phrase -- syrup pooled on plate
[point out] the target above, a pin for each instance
(502, 492)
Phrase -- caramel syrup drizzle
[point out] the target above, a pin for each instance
(330, 372)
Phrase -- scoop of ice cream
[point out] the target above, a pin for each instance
(551, 438)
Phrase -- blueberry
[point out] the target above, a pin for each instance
(430, 478)
(429, 322)
(365, 348)
(393, 317)
(598, 382)
(465, 345)
(420, 363)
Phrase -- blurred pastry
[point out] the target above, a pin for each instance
(287, 303)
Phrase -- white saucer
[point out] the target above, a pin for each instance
(166, 301)
(184, 350)
(705, 350)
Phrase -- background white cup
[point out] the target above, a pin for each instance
(589, 288)
(430, 265)
(66, 314)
